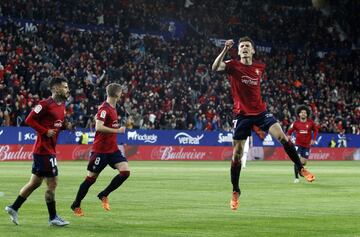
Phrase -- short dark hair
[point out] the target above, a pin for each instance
(56, 81)
(303, 107)
(247, 38)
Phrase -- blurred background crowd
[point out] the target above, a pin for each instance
(311, 49)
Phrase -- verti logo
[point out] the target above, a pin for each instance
(185, 138)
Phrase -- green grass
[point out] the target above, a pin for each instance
(191, 198)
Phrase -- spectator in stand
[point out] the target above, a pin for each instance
(176, 72)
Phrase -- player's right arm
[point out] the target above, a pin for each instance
(100, 127)
(33, 117)
(219, 64)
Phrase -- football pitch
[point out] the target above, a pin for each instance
(191, 198)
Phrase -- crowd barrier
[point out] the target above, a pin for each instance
(16, 144)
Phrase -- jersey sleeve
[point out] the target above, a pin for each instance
(33, 118)
(229, 65)
(101, 114)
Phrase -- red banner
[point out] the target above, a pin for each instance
(278, 153)
(138, 152)
(24, 152)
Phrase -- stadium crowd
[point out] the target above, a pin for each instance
(168, 83)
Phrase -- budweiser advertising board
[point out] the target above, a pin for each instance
(155, 152)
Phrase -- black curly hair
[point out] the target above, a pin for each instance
(303, 107)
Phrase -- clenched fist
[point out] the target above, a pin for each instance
(229, 43)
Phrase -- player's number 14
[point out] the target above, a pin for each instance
(53, 162)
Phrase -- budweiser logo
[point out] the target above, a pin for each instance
(169, 153)
(20, 154)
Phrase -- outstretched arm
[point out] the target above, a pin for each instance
(219, 64)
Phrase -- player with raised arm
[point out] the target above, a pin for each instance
(47, 118)
(306, 132)
(244, 76)
(105, 151)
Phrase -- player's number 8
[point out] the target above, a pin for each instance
(97, 160)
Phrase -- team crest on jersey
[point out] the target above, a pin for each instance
(37, 109)
(103, 114)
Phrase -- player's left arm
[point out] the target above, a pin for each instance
(100, 118)
(100, 127)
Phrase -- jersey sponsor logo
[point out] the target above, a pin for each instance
(249, 81)
(225, 137)
(37, 109)
(185, 138)
(303, 131)
(103, 114)
(152, 138)
(58, 123)
(268, 115)
(115, 124)
(268, 141)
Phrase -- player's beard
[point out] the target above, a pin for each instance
(63, 96)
